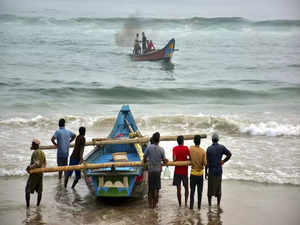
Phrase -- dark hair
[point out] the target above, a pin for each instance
(215, 137)
(197, 139)
(156, 137)
(180, 140)
(151, 140)
(61, 123)
(82, 131)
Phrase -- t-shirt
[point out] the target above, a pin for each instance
(181, 153)
(79, 146)
(63, 137)
(38, 156)
(214, 156)
(198, 160)
(155, 155)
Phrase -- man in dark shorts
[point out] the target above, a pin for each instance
(76, 157)
(63, 137)
(181, 153)
(154, 154)
(214, 156)
(35, 180)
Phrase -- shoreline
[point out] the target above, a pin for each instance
(243, 202)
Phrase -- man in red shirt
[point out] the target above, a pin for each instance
(181, 153)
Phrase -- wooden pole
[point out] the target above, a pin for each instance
(103, 165)
(106, 141)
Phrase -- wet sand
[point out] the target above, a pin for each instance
(243, 203)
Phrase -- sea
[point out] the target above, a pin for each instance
(236, 76)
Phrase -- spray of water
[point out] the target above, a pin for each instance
(126, 36)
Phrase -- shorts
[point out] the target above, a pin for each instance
(178, 178)
(77, 172)
(34, 183)
(62, 161)
(154, 181)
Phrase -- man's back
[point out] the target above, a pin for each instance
(63, 137)
(198, 159)
(79, 146)
(214, 155)
(181, 153)
(155, 155)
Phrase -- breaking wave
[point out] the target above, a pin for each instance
(191, 123)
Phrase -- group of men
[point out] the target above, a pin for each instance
(147, 45)
(209, 163)
(61, 139)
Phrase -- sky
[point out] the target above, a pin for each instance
(250, 9)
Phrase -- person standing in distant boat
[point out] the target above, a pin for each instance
(181, 153)
(198, 161)
(63, 137)
(35, 180)
(154, 154)
(144, 43)
(137, 47)
(214, 166)
(77, 157)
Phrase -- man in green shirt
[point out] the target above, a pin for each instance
(35, 180)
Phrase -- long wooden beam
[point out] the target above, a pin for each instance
(85, 166)
(145, 139)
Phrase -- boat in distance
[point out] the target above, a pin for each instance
(129, 181)
(165, 53)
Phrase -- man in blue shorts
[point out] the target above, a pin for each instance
(154, 154)
(62, 139)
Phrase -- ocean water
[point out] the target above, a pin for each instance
(237, 76)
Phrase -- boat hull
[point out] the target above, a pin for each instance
(164, 54)
(117, 181)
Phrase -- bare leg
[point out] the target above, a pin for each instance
(155, 199)
(209, 200)
(179, 194)
(66, 181)
(150, 199)
(27, 197)
(39, 198)
(219, 199)
(59, 174)
(74, 183)
(186, 189)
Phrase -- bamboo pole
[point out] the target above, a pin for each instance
(102, 165)
(106, 141)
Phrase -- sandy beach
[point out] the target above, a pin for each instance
(242, 203)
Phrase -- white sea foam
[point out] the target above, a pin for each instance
(271, 128)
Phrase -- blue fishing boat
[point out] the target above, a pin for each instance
(118, 181)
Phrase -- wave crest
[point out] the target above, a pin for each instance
(167, 124)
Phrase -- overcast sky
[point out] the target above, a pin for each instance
(251, 9)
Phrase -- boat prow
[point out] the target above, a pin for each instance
(118, 181)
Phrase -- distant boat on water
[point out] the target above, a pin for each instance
(165, 53)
